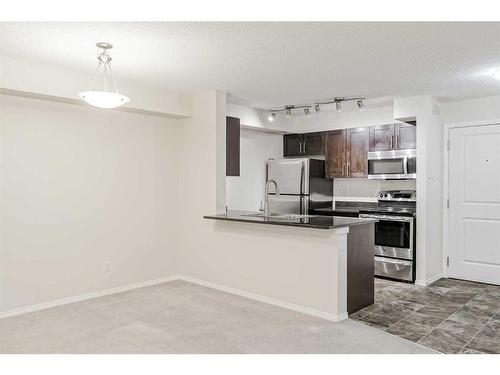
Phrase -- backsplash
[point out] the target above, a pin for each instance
(363, 187)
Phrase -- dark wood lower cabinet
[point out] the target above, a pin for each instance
(360, 267)
(232, 146)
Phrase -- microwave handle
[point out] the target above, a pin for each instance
(405, 165)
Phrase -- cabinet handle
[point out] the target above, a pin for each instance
(397, 146)
(343, 169)
(392, 138)
(348, 165)
(300, 147)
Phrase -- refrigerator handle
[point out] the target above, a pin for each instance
(302, 178)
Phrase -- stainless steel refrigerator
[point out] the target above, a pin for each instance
(302, 185)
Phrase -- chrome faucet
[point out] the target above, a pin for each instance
(266, 198)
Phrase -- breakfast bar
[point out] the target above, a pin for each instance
(318, 265)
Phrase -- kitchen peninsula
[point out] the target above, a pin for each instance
(318, 265)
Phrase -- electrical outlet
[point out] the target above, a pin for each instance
(107, 266)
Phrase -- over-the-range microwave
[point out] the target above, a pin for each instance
(392, 165)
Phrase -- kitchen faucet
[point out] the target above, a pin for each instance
(266, 198)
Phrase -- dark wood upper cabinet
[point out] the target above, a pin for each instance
(406, 136)
(308, 144)
(232, 146)
(292, 145)
(382, 137)
(314, 143)
(335, 154)
(357, 152)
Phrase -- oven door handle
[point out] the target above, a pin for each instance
(384, 217)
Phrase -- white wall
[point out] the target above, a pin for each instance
(79, 186)
(430, 202)
(246, 191)
(478, 109)
(58, 83)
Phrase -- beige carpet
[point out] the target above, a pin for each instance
(180, 317)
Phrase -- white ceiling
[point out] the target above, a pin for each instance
(270, 64)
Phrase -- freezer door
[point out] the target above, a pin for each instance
(288, 204)
(291, 175)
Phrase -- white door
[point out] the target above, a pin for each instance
(474, 213)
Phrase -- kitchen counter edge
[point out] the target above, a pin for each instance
(317, 222)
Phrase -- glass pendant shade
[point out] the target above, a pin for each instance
(105, 98)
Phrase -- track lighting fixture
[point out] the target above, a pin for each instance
(272, 116)
(317, 107)
(338, 106)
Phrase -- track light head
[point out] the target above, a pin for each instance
(338, 105)
(272, 116)
(288, 112)
(317, 108)
(307, 112)
(360, 105)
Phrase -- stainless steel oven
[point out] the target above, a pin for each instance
(394, 237)
(392, 165)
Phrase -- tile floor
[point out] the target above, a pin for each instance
(450, 316)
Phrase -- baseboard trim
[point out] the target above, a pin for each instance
(142, 284)
(268, 300)
(428, 281)
(86, 296)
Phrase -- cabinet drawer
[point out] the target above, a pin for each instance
(395, 252)
(395, 268)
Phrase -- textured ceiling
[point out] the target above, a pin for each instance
(269, 64)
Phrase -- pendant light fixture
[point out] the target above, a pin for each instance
(109, 97)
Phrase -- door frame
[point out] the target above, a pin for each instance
(446, 138)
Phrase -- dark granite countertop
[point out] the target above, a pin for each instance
(349, 212)
(304, 221)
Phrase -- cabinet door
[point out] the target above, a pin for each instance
(382, 137)
(292, 145)
(314, 143)
(406, 136)
(357, 156)
(335, 154)
(232, 146)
